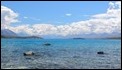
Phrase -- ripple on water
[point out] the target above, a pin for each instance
(61, 55)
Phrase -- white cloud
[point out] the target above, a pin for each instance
(25, 17)
(114, 11)
(118, 3)
(108, 22)
(32, 18)
(112, 5)
(8, 16)
(68, 14)
(22, 29)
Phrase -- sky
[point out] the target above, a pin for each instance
(63, 19)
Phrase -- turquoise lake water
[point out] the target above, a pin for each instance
(61, 54)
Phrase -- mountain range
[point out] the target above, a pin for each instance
(6, 33)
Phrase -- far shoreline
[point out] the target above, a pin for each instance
(70, 38)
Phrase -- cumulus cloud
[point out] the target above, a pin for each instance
(108, 23)
(8, 16)
(22, 29)
(114, 11)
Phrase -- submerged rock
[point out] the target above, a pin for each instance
(76, 56)
(29, 53)
(100, 52)
(22, 67)
(47, 44)
(15, 51)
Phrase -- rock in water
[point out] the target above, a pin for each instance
(47, 44)
(101, 52)
(29, 53)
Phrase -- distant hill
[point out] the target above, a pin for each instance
(113, 38)
(26, 37)
(101, 38)
(78, 38)
(6, 33)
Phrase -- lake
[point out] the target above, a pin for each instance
(61, 54)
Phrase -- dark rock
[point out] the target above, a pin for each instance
(101, 52)
(76, 56)
(29, 53)
(14, 51)
(28, 58)
(47, 44)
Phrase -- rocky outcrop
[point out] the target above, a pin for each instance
(47, 44)
(29, 53)
(100, 52)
